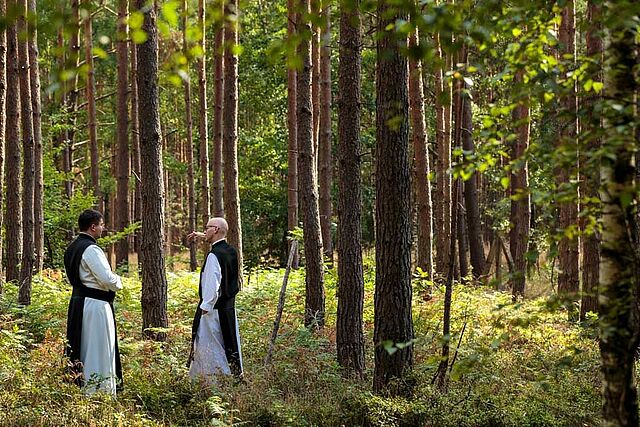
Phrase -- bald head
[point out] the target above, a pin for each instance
(222, 224)
(216, 229)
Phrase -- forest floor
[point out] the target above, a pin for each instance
(515, 364)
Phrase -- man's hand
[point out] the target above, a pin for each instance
(194, 235)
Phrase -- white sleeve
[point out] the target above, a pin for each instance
(211, 277)
(96, 262)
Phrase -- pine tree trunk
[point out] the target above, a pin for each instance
(315, 79)
(520, 217)
(314, 277)
(14, 155)
(218, 131)
(230, 137)
(461, 235)
(568, 278)
(193, 263)
(591, 178)
(619, 336)
(421, 182)
(443, 178)
(91, 110)
(38, 208)
(392, 318)
(135, 143)
(325, 160)
(3, 122)
(349, 332)
(292, 152)
(28, 170)
(154, 281)
(203, 124)
(123, 169)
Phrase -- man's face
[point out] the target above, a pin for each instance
(210, 230)
(97, 229)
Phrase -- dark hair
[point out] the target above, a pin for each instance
(88, 218)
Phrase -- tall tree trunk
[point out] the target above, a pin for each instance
(218, 129)
(472, 206)
(443, 162)
(315, 78)
(38, 201)
(619, 337)
(325, 160)
(591, 178)
(28, 170)
(568, 278)
(72, 94)
(421, 182)
(91, 109)
(63, 136)
(349, 332)
(393, 322)
(3, 122)
(154, 280)
(314, 277)
(123, 168)
(461, 233)
(193, 263)
(230, 137)
(135, 143)
(203, 123)
(292, 152)
(14, 155)
(520, 218)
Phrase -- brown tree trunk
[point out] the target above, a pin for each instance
(325, 160)
(292, 152)
(591, 178)
(28, 171)
(3, 121)
(135, 143)
(230, 138)
(91, 109)
(520, 218)
(203, 123)
(315, 79)
(191, 197)
(349, 332)
(123, 168)
(14, 155)
(392, 320)
(461, 235)
(443, 162)
(421, 182)
(154, 280)
(38, 194)
(314, 277)
(72, 94)
(568, 277)
(218, 131)
(619, 336)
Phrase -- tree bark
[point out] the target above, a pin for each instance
(38, 201)
(421, 182)
(218, 130)
(520, 217)
(392, 319)
(292, 152)
(568, 278)
(14, 155)
(349, 331)
(591, 178)
(3, 122)
(135, 142)
(191, 187)
(123, 169)
(91, 109)
(230, 137)
(619, 336)
(154, 281)
(314, 277)
(28, 170)
(315, 79)
(203, 124)
(325, 160)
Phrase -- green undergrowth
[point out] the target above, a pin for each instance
(515, 365)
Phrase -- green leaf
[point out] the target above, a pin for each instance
(598, 86)
(138, 36)
(505, 181)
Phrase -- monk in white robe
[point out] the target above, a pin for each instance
(91, 330)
